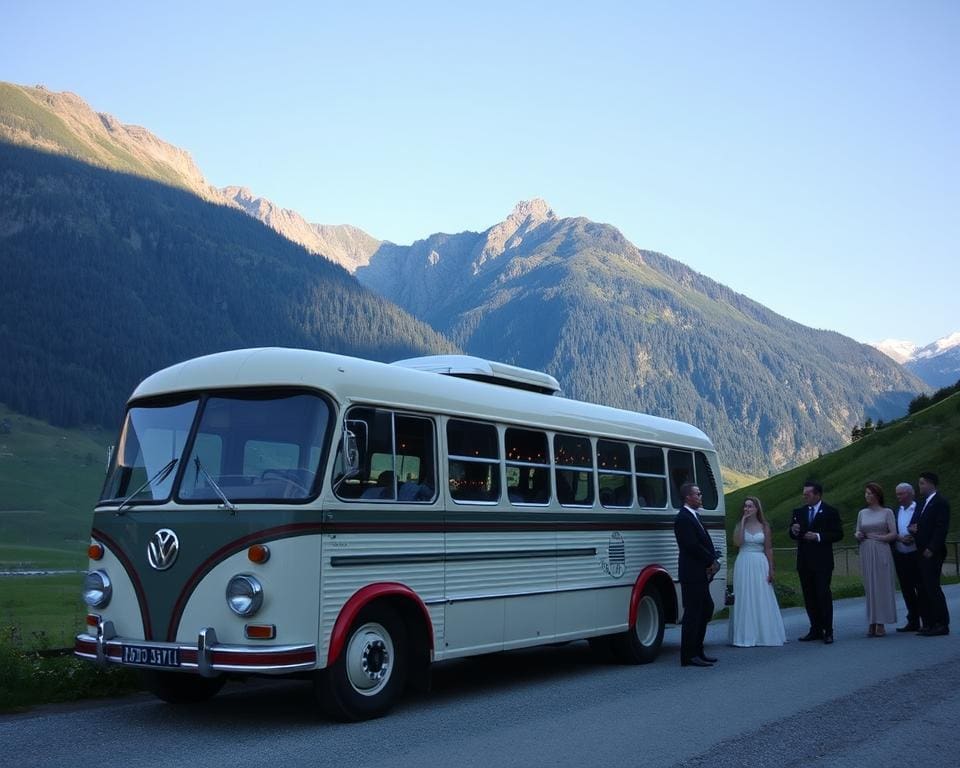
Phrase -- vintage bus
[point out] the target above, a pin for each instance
(290, 512)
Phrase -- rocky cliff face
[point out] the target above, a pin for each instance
(348, 246)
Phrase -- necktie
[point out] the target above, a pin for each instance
(809, 516)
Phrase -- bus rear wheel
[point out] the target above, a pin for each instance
(181, 687)
(369, 674)
(640, 644)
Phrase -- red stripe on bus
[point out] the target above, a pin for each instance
(85, 646)
(359, 600)
(128, 566)
(264, 658)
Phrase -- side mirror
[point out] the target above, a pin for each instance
(353, 433)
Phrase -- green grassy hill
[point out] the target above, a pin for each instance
(50, 479)
(928, 440)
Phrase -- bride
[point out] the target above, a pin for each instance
(756, 618)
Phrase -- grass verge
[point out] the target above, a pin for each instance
(28, 678)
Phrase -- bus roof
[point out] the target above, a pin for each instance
(351, 380)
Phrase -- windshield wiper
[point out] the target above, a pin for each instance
(159, 477)
(227, 504)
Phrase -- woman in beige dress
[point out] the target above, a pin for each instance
(876, 528)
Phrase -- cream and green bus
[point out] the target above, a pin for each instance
(289, 512)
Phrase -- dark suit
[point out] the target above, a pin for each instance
(908, 574)
(815, 563)
(933, 522)
(695, 554)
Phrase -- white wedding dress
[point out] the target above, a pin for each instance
(755, 618)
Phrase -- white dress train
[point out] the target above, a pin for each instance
(755, 616)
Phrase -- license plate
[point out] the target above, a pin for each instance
(151, 657)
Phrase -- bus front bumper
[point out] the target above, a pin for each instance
(208, 657)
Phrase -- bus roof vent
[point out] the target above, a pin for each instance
(478, 369)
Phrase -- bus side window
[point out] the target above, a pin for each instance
(415, 459)
(651, 476)
(527, 466)
(680, 464)
(707, 482)
(613, 469)
(397, 458)
(473, 456)
(573, 457)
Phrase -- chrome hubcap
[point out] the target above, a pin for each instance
(369, 659)
(648, 621)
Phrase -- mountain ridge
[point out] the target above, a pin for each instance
(636, 329)
(614, 323)
(936, 364)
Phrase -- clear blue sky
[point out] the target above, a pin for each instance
(806, 154)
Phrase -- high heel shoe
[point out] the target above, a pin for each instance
(881, 630)
(872, 632)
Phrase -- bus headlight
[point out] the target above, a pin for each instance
(97, 589)
(244, 595)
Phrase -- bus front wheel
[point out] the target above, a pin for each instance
(369, 674)
(640, 644)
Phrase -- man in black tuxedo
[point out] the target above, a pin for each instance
(815, 527)
(697, 562)
(906, 558)
(931, 521)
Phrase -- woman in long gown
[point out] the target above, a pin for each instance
(756, 616)
(876, 528)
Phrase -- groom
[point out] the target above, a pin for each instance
(698, 563)
(815, 527)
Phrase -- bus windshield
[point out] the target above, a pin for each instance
(151, 440)
(256, 447)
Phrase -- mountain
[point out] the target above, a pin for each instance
(937, 363)
(63, 123)
(636, 329)
(896, 349)
(102, 261)
(348, 246)
(109, 276)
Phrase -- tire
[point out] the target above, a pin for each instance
(181, 687)
(640, 644)
(370, 673)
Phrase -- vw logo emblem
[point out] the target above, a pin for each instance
(162, 549)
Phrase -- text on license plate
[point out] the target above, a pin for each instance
(152, 657)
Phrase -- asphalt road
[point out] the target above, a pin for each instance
(892, 701)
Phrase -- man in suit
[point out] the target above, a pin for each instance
(931, 521)
(698, 562)
(905, 558)
(815, 527)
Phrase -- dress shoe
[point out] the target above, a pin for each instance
(828, 638)
(909, 628)
(708, 659)
(811, 635)
(696, 661)
(934, 631)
